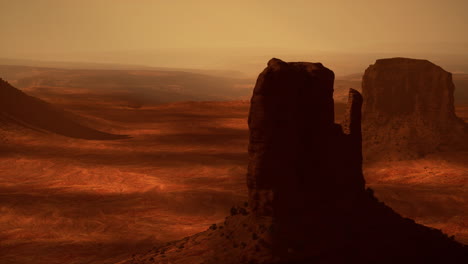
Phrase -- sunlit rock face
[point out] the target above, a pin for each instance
(409, 110)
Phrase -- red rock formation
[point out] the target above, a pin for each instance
(295, 145)
(307, 199)
(408, 110)
(24, 110)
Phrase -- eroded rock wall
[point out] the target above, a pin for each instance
(408, 110)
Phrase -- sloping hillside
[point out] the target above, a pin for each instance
(21, 109)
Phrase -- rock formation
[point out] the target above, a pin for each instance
(307, 196)
(21, 109)
(295, 146)
(409, 110)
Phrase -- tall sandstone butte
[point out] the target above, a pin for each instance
(307, 198)
(299, 157)
(408, 110)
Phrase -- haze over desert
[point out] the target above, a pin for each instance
(212, 132)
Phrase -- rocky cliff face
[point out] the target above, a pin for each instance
(409, 110)
(307, 199)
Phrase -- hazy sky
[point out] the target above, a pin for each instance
(73, 27)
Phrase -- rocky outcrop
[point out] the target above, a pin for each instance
(307, 196)
(295, 146)
(23, 110)
(409, 110)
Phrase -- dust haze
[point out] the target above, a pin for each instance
(124, 124)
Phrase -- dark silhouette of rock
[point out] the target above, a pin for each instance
(27, 111)
(307, 196)
(409, 110)
(295, 144)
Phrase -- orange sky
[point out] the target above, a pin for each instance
(78, 29)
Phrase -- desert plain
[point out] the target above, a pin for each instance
(183, 166)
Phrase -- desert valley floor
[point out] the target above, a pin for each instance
(66, 200)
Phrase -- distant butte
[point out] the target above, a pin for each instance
(20, 109)
(307, 197)
(409, 111)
